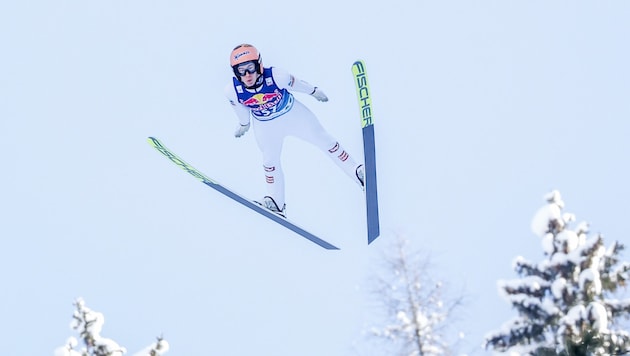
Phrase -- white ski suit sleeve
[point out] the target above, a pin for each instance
(290, 82)
(242, 112)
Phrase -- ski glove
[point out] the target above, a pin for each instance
(241, 130)
(319, 94)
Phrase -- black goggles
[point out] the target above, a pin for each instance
(242, 69)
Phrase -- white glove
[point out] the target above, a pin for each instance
(241, 130)
(319, 94)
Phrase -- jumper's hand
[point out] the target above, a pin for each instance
(319, 95)
(240, 131)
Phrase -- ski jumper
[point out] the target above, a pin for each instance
(277, 114)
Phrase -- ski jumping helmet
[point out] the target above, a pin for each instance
(245, 53)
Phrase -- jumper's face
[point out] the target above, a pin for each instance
(250, 79)
(247, 72)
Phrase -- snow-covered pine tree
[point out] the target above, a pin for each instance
(88, 324)
(568, 302)
(415, 312)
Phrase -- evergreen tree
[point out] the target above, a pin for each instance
(88, 324)
(415, 313)
(567, 303)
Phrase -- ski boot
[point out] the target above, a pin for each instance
(271, 205)
(360, 172)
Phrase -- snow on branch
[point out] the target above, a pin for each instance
(514, 332)
(524, 268)
(533, 286)
(160, 347)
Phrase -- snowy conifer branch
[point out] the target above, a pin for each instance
(157, 349)
(527, 268)
(517, 329)
(563, 301)
(89, 325)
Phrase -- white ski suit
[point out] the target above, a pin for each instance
(277, 114)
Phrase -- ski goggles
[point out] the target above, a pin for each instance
(246, 67)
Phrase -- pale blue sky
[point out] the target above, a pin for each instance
(480, 108)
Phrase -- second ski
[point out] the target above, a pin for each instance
(369, 152)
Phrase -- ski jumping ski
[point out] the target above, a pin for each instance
(236, 197)
(367, 125)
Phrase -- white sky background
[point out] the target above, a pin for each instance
(481, 108)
